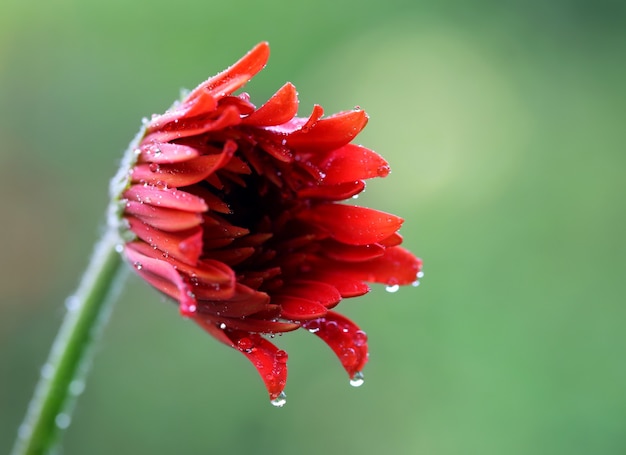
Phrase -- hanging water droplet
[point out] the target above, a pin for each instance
(415, 283)
(138, 265)
(392, 288)
(62, 421)
(222, 326)
(420, 274)
(280, 400)
(357, 380)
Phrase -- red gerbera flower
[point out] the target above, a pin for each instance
(236, 216)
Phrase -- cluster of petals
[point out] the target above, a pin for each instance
(237, 216)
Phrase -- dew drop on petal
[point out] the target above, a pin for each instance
(357, 380)
(245, 344)
(154, 167)
(280, 400)
(392, 288)
(415, 283)
(222, 326)
(360, 338)
(281, 356)
(420, 274)
(138, 265)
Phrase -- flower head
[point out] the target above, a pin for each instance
(236, 215)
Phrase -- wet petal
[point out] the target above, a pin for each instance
(337, 192)
(162, 218)
(344, 337)
(185, 246)
(298, 308)
(164, 277)
(352, 162)
(166, 198)
(352, 225)
(236, 75)
(329, 133)
(280, 108)
(269, 361)
(317, 291)
(164, 152)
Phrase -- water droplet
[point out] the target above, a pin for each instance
(283, 142)
(281, 356)
(392, 288)
(415, 283)
(24, 431)
(245, 344)
(76, 387)
(222, 326)
(280, 400)
(357, 380)
(62, 421)
(157, 151)
(72, 303)
(313, 326)
(420, 274)
(138, 265)
(119, 248)
(154, 167)
(359, 338)
(356, 196)
(47, 371)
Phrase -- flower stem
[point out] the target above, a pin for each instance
(62, 376)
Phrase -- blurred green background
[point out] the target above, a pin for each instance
(504, 124)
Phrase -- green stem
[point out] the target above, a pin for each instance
(62, 376)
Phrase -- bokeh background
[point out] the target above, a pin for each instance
(504, 124)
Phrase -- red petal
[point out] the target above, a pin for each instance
(185, 173)
(346, 285)
(333, 192)
(235, 76)
(184, 128)
(185, 246)
(270, 362)
(163, 276)
(243, 303)
(352, 253)
(350, 224)
(396, 266)
(165, 219)
(207, 272)
(167, 198)
(352, 162)
(163, 152)
(298, 309)
(348, 342)
(280, 108)
(329, 133)
(317, 291)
